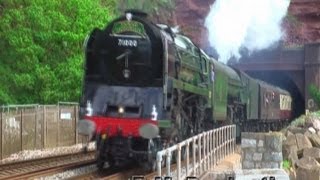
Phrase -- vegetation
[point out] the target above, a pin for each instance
(303, 120)
(41, 53)
(286, 164)
(299, 122)
(314, 93)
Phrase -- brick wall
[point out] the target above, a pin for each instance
(261, 150)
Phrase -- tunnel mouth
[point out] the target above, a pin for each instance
(284, 81)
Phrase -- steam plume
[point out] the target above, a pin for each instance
(250, 24)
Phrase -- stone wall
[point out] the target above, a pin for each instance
(261, 150)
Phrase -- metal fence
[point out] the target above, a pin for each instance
(207, 149)
(30, 127)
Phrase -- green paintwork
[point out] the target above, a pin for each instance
(190, 88)
(191, 70)
(164, 123)
(227, 83)
(250, 95)
(233, 80)
(220, 96)
(195, 77)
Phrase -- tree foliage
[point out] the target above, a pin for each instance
(41, 53)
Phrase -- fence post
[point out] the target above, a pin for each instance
(194, 155)
(58, 124)
(199, 152)
(179, 161)
(204, 151)
(234, 138)
(159, 161)
(208, 150)
(75, 125)
(168, 162)
(214, 147)
(21, 123)
(230, 139)
(44, 127)
(227, 140)
(187, 166)
(36, 127)
(224, 142)
(220, 144)
(1, 130)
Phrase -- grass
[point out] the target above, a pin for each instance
(286, 164)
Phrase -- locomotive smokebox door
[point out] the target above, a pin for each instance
(149, 131)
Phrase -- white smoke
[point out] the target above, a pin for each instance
(251, 24)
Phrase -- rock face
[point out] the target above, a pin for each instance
(302, 24)
(315, 139)
(307, 163)
(303, 142)
(308, 168)
(301, 147)
(190, 16)
(310, 174)
(312, 152)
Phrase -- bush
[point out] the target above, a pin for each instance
(314, 93)
(41, 56)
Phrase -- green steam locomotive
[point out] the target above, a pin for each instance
(147, 87)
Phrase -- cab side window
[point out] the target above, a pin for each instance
(212, 72)
(204, 65)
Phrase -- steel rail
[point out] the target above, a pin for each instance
(35, 167)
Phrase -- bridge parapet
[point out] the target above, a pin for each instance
(280, 59)
(208, 149)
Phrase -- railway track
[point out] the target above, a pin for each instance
(45, 166)
(112, 174)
